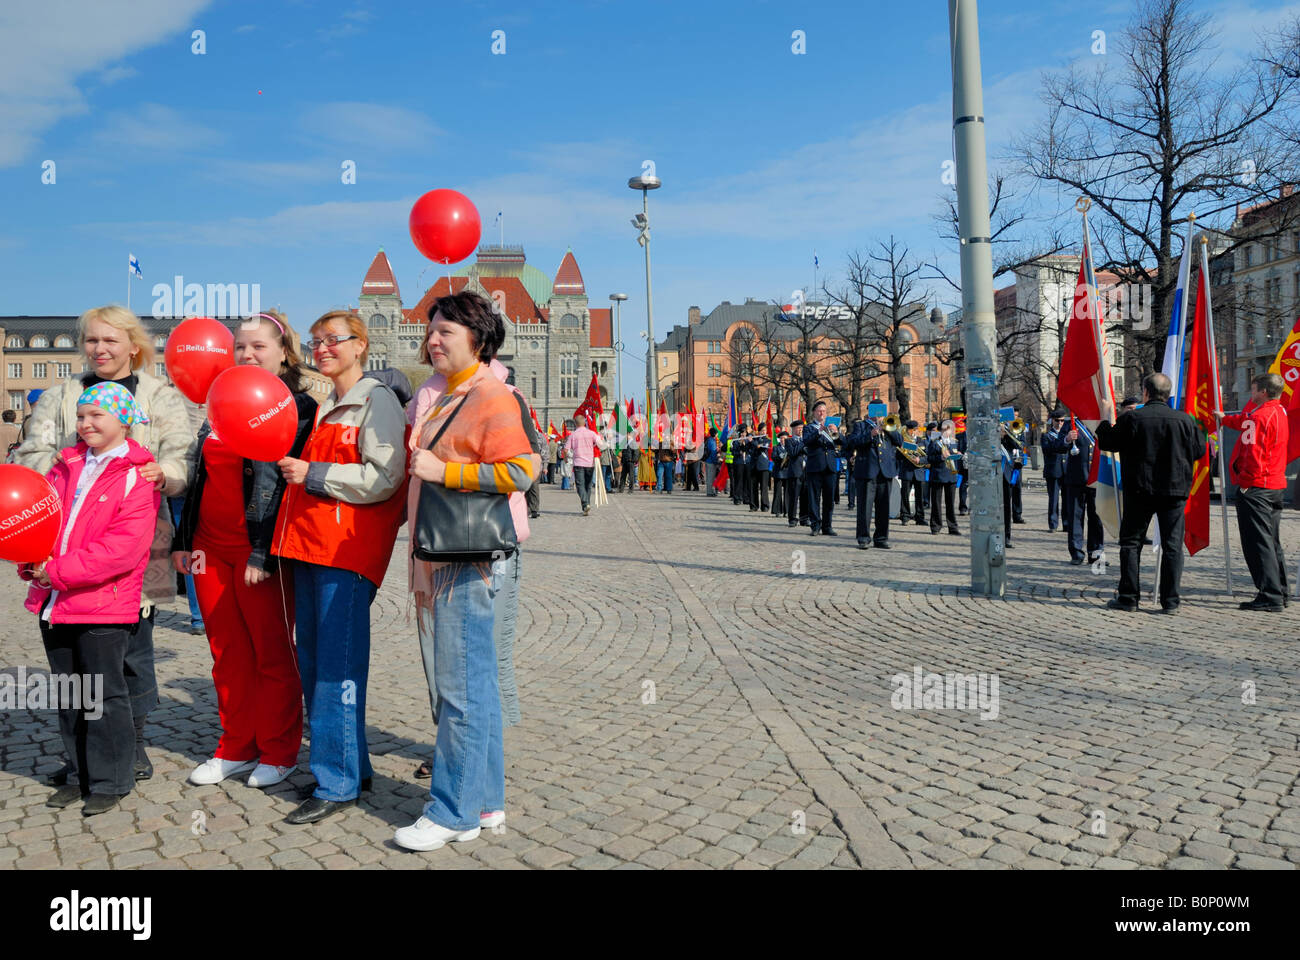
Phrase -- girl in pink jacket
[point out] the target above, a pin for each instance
(87, 593)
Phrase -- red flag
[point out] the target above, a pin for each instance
(1084, 384)
(1287, 366)
(1201, 401)
(536, 423)
(720, 481)
(753, 417)
(770, 434)
(552, 432)
(590, 405)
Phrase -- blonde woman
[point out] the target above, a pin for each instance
(119, 350)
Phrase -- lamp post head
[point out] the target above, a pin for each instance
(618, 296)
(644, 183)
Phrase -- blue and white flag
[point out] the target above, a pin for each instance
(133, 265)
(1172, 367)
(815, 263)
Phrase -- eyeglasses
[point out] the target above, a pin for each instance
(333, 340)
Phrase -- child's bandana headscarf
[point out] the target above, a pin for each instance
(116, 399)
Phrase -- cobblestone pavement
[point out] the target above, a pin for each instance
(690, 701)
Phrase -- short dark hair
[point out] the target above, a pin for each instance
(819, 403)
(713, 431)
(1157, 386)
(911, 424)
(475, 313)
(1269, 384)
(9, 416)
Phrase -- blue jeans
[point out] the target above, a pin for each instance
(665, 471)
(177, 505)
(332, 607)
(469, 767)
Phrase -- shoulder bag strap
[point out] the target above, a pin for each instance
(446, 423)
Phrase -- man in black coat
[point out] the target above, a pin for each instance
(1080, 499)
(819, 444)
(1054, 453)
(1158, 449)
(739, 460)
(940, 452)
(779, 471)
(963, 488)
(796, 494)
(875, 467)
(760, 471)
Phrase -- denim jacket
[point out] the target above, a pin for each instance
(263, 491)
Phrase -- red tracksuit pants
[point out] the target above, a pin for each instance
(254, 663)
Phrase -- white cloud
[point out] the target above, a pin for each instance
(154, 129)
(372, 125)
(55, 43)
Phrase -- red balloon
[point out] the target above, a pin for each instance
(253, 413)
(197, 351)
(29, 515)
(445, 226)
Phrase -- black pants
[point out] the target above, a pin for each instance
(1139, 508)
(941, 498)
(626, 475)
(141, 681)
(1259, 518)
(821, 498)
(692, 475)
(99, 745)
(533, 498)
(739, 483)
(1055, 493)
(1081, 509)
(963, 490)
(1017, 508)
(907, 486)
(758, 489)
(795, 495)
(778, 496)
(872, 495)
(1008, 499)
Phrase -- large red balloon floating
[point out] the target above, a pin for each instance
(29, 515)
(445, 226)
(197, 351)
(253, 413)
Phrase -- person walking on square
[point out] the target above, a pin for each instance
(1258, 468)
(739, 446)
(760, 473)
(1080, 499)
(583, 450)
(1055, 450)
(86, 594)
(941, 451)
(821, 468)
(780, 470)
(627, 459)
(1158, 447)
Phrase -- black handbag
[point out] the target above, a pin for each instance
(462, 526)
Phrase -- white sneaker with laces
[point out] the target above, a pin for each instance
(424, 834)
(268, 776)
(493, 819)
(216, 770)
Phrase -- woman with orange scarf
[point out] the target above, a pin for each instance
(483, 448)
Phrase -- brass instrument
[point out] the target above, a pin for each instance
(892, 422)
(913, 449)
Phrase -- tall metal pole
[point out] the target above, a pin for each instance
(618, 299)
(988, 570)
(652, 379)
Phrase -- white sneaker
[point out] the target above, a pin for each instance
(494, 819)
(268, 776)
(216, 770)
(424, 834)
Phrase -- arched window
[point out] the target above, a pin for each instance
(378, 322)
(40, 341)
(569, 320)
(64, 342)
(604, 368)
(14, 342)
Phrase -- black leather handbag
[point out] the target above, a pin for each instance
(462, 526)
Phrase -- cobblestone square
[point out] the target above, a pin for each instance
(690, 702)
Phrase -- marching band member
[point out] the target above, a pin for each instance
(760, 472)
(780, 470)
(819, 443)
(942, 451)
(1080, 499)
(911, 477)
(1055, 449)
(876, 465)
(1012, 465)
(796, 491)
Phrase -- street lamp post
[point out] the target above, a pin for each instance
(618, 299)
(642, 222)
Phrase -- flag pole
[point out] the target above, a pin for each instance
(1218, 403)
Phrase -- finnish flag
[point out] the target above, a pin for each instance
(133, 265)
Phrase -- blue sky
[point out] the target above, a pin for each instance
(765, 155)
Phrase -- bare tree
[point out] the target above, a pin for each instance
(1161, 135)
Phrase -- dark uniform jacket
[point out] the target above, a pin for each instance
(1055, 449)
(1158, 448)
(936, 452)
(876, 457)
(820, 451)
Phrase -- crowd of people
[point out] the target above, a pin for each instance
(286, 559)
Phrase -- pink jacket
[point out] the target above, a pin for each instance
(101, 573)
(426, 398)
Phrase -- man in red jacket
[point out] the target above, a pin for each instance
(1258, 468)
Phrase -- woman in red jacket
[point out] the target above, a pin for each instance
(245, 596)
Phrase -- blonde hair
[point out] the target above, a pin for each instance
(120, 318)
(352, 320)
(291, 369)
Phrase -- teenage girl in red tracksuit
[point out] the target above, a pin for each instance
(87, 593)
(231, 513)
